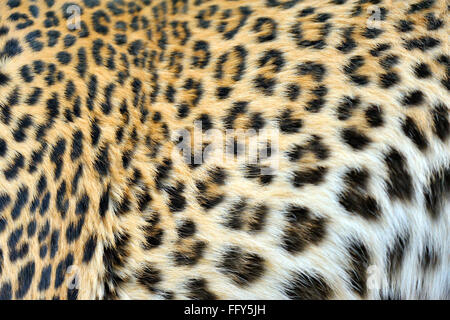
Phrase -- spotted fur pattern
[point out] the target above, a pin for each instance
(96, 200)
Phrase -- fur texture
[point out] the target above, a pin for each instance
(97, 199)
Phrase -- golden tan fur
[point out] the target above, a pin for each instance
(303, 231)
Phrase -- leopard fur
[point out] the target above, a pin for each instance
(98, 201)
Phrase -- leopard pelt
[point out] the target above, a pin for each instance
(220, 149)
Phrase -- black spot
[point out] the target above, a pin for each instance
(31, 229)
(91, 3)
(143, 201)
(102, 161)
(258, 218)
(35, 44)
(423, 43)
(389, 79)
(43, 251)
(223, 92)
(317, 70)
(346, 107)
(271, 25)
(76, 179)
(13, 169)
(4, 79)
(437, 191)
(54, 243)
(209, 201)
(289, 125)
(22, 199)
(359, 79)
(98, 17)
(309, 176)
(120, 38)
(191, 256)
(61, 270)
(297, 214)
(53, 107)
(135, 47)
(256, 121)
(4, 30)
(302, 230)
(53, 36)
(421, 5)
(43, 233)
(354, 138)
(37, 158)
(238, 108)
(304, 286)
(198, 290)
(422, 70)
(115, 255)
(355, 197)
(69, 40)
(177, 201)
(379, 48)
(354, 64)
(218, 175)
(34, 97)
(15, 252)
(70, 90)
(399, 182)
(405, 26)
(372, 33)
(104, 203)
(440, 120)
(433, 23)
(42, 184)
(153, 234)
(242, 267)
(73, 230)
(315, 105)
(89, 249)
(77, 145)
(348, 44)
(58, 150)
(26, 74)
(2, 224)
(24, 279)
(13, 3)
(6, 291)
(123, 206)
(4, 201)
(82, 205)
(63, 57)
(374, 116)
(389, 61)
(293, 91)
(3, 147)
(429, 258)
(44, 282)
(273, 58)
(82, 64)
(162, 172)
(395, 255)
(12, 48)
(359, 262)
(186, 229)
(72, 293)
(205, 121)
(411, 130)
(149, 277)
(234, 219)
(95, 132)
